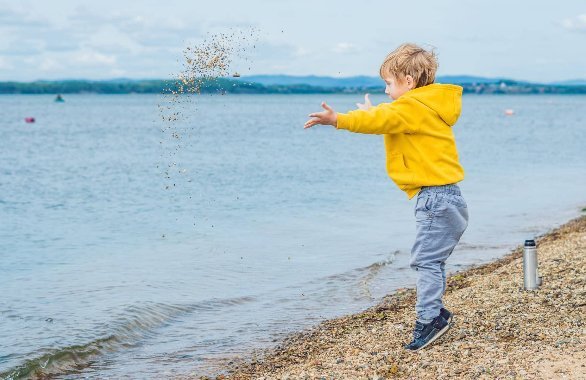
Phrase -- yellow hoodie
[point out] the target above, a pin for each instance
(417, 128)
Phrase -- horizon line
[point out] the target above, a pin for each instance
(493, 78)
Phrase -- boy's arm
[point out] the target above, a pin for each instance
(385, 118)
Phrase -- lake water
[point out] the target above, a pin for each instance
(110, 269)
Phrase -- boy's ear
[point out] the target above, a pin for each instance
(410, 81)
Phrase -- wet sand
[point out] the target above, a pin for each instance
(499, 330)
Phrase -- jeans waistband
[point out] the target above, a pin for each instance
(448, 189)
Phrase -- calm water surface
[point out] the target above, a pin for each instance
(111, 268)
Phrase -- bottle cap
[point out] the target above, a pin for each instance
(530, 243)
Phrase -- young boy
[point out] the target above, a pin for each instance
(422, 160)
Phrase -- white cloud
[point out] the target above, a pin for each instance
(302, 52)
(5, 64)
(575, 23)
(345, 48)
(84, 42)
(117, 72)
(110, 40)
(94, 58)
(18, 18)
(50, 64)
(150, 30)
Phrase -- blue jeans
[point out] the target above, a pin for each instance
(441, 218)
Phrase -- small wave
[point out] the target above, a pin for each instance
(133, 325)
(55, 205)
(468, 246)
(375, 267)
(363, 275)
(372, 271)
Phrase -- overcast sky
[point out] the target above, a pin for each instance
(539, 40)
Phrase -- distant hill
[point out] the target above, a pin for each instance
(572, 82)
(312, 80)
(468, 79)
(353, 82)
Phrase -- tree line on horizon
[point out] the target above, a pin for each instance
(231, 86)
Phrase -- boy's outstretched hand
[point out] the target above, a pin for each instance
(367, 103)
(327, 117)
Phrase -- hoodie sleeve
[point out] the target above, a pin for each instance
(385, 118)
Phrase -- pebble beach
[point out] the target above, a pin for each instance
(499, 331)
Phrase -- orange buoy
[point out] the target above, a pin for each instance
(509, 112)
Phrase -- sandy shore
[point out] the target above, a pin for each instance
(500, 330)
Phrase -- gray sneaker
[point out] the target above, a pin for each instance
(425, 334)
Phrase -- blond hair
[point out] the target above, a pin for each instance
(410, 59)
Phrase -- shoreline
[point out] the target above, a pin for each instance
(499, 331)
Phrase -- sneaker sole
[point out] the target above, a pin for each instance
(439, 334)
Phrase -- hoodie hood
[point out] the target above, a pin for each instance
(444, 99)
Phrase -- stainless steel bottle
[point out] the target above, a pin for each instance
(531, 279)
